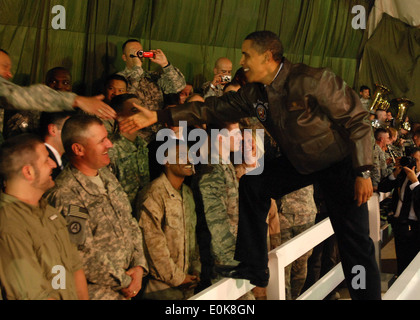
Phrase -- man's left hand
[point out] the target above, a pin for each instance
(133, 289)
(363, 190)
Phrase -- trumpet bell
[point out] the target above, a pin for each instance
(380, 99)
(403, 105)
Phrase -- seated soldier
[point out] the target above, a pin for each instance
(34, 241)
(166, 214)
(98, 213)
(222, 75)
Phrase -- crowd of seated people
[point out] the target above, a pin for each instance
(125, 223)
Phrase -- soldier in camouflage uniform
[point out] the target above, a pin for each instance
(297, 213)
(150, 86)
(166, 213)
(380, 169)
(98, 213)
(130, 155)
(214, 88)
(42, 98)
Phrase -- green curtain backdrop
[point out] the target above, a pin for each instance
(390, 58)
(192, 33)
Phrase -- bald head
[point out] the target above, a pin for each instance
(223, 66)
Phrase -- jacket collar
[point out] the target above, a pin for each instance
(281, 78)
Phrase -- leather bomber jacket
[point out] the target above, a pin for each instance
(314, 116)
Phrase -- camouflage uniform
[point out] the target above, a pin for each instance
(219, 192)
(130, 164)
(297, 213)
(100, 223)
(168, 221)
(34, 98)
(380, 169)
(150, 87)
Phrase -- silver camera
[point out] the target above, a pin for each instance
(226, 78)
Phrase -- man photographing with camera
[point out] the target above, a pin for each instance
(222, 75)
(149, 86)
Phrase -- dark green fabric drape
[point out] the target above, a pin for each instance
(390, 58)
(192, 33)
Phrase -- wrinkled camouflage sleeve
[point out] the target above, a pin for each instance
(138, 258)
(379, 166)
(172, 80)
(98, 264)
(191, 217)
(213, 191)
(157, 248)
(36, 98)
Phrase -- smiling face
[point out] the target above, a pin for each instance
(255, 64)
(43, 167)
(95, 147)
(183, 167)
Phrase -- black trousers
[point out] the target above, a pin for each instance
(407, 242)
(350, 222)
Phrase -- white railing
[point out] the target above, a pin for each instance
(282, 256)
(288, 252)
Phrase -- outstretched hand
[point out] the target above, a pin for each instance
(95, 106)
(140, 120)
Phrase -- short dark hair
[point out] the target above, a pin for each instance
(50, 73)
(263, 41)
(48, 118)
(74, 130)
(16, 152)
(115, 76)
(128, 41)
(378, 132)
(118, 101)
(4, 51)
(362, 88)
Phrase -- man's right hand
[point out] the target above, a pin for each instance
(95, 106)
(140, 120)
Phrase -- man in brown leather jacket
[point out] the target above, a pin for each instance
(321, 128)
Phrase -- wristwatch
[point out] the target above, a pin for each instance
(364, 174)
